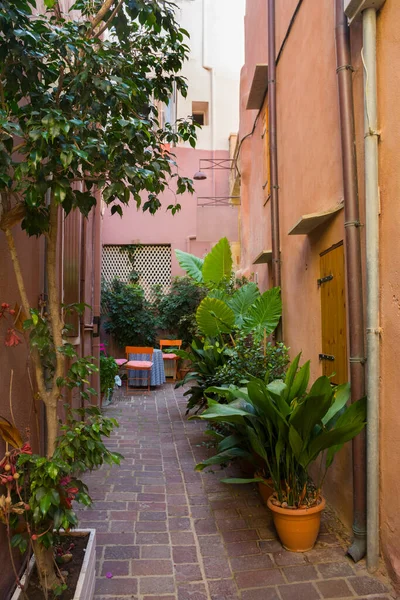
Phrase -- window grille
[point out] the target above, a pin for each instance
(151, 263)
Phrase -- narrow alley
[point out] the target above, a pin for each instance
(166, 532)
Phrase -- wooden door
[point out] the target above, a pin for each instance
(333, 353)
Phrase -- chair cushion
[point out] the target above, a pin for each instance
(121, 361)
(169, 356)
(139, 364)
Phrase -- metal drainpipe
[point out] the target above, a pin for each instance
(273, 153)
(353, 268)
(371, 138)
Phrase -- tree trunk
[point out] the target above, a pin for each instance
(45, 566)
(52, 427)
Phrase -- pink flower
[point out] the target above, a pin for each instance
(109, 575)
(65, 480)
(12, 338)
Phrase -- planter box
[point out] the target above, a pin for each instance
(86, 582)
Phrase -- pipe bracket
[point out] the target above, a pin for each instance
(358, 359)
(372, 133)
(345, 68)
(352, 224)
(376, 330)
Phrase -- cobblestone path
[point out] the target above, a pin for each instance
(166, 532)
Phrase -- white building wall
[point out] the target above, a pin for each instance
(213, 70)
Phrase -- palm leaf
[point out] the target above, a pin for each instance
(218, 262)
(193, 265)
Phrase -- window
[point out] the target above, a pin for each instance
(200, 112)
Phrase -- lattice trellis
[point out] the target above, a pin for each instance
(151, 262)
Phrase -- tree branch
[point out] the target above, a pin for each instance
(101, 14)
(112, 16)
(26, 306)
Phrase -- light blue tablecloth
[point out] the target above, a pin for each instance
(139, 378)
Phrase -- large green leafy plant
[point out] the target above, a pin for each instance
(228, 315)
(289, 428)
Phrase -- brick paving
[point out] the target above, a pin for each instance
(166, 532)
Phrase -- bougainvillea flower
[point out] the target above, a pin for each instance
(12, 338)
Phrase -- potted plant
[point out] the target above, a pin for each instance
(40, 492)
(240, 424)
(290, 429)
(108, 372)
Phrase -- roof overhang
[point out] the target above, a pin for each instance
(307, 223)
(258, 89)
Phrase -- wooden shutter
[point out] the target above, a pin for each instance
(333, 311)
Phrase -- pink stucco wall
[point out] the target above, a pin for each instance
(310, 180)
(193, 229)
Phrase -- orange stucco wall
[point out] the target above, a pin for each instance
(310, 180)
(389, 93)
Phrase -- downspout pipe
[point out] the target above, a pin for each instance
(273, 153)
(371, 139)
(354, 285)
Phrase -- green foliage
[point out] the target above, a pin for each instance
(41, 340)
(204, 362)
(42, 490)
(81, 108)
(108, 371)
(235, 320)
(131, 320)
(176, 309)
(191, 264)
(218, 263)
(214, 269)
(288, 428)
(241, 301)
(249, 358)
(215, 317)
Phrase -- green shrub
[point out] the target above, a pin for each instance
(177, 309)
(130, 318)
(248, 358)
(108, 371)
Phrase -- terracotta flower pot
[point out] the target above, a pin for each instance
(297, 528)
(266, 489)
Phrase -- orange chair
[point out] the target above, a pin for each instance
(170, 356)
(139, 365)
